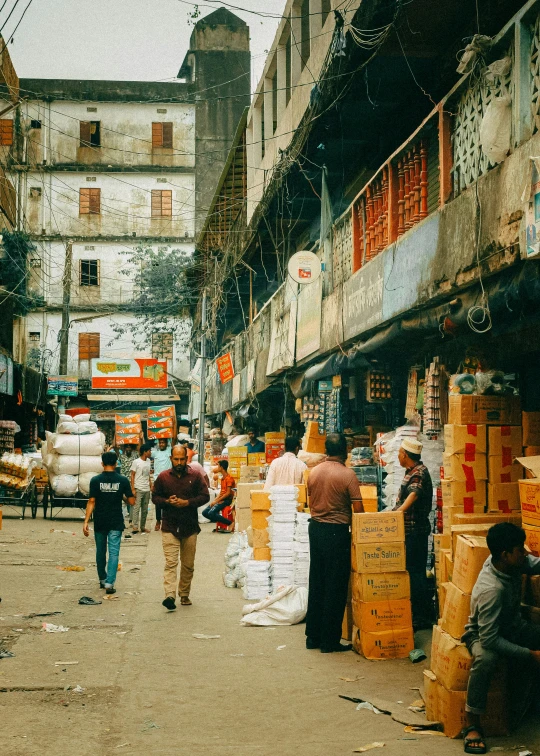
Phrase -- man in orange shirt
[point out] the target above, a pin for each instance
(213, 512)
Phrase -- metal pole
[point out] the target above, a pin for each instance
(203, 379)
(64, 331)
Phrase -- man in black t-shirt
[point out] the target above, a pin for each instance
(107, 491)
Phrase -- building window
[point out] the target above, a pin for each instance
(88, 346)
(35, 124)
(263, 146)
(89, 201)
(6, 132)
(90, 133)
(35, 336)
(161, 203)
(288, 70)
(274, 102)
(162, 134)
(89, 272)
(162, 346)
(305, 43)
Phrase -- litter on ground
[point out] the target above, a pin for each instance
(202, 636)
(50, 628)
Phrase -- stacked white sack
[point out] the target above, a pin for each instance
(237, 554)
(301, 550)
(257, 579)
(73, 453)
(391, 444)
(282, 521)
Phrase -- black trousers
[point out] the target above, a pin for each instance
(329, 573)
(416, 545)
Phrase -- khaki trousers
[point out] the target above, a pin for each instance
(174, 548)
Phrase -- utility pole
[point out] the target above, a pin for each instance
(203, 379)
(64, 331)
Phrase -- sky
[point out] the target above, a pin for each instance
(139, 40)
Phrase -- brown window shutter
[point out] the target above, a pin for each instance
(167, 135)
(156, 203)
(84, 201)
(6, 132)
(85, 133)
(89, 346)
(166, 203)
(95, 201)
(157, 135)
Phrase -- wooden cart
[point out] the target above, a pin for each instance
(26, 497)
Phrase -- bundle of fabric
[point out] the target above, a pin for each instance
(282, 522)
(257, 583)
(301, 550)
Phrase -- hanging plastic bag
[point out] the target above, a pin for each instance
(496, 129)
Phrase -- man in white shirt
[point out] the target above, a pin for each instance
(141, 485)
(286, 470)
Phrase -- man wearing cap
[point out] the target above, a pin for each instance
(415, 500)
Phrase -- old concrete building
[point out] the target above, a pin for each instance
(104, 166)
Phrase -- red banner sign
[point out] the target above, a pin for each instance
(225, 368)
(128, 374)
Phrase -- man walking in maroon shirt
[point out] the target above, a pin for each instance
(179, 492)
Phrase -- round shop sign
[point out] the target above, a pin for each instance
(304, 267)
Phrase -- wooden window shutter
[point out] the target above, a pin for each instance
(89, 346)
(95, 201)
(85, 133)
(167, 134)
(6, 132)
(156, 203)
(166, 203)
(84, 201)
(157, 134)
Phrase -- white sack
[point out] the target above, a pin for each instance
(84, 482)
(67, 464)
(88, 446)
(89, 426)
(286, 607)
(67, 428)
(64, 485)
(82, 418)
(65, 419)
(310, 458)
(496, 129)
(50, 439)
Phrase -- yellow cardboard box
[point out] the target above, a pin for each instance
(369, 498)
(532, 538)
(459, 439)
(456, 611)
(431, 696)
(302, 493)
(470, 555)
(465, 469)
(243, 493)
(385, 586)
(462, 495)
(260, 538)
(387, 644)
(484, 410)
(260, 500)
(376, 616)
(451, 515)
(356, 644)
(249, 473)
(441, 541)
(259, 519)
(274, 437)
(347, 624)
(262, 554)
(503, 469)
(503, 497)
(314, 445)
(442, 591)
(258, 458)
(381, 527)
(242, 519)
(529, 491)
(468, 528)
(443, 564)
(312, 430)
(493, 517)
(531, 428)
(450, 660)
(237, 452)
(378, 557)
(505, 440)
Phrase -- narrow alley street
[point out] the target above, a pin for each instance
(150, 686)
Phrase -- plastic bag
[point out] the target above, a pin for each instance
(64, 485)
(286, 607)
(496, 129)
(67, 428)
(66, 464)
(84, 482)
(87, 427)
(88, 446)
(84, 417)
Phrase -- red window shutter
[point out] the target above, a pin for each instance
(95, 201)
(168, 135)
(166, 203)
(85, 133)
(157, 135)
(84, 201)
(89, 346)
(6, 132)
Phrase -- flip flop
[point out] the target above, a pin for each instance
(474, 745)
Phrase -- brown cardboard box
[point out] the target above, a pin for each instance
(505, 441)
(500, 472)
(456, 611)
(531, 428)
(484, 410)
(493, 517)
(369, 498)
(260, 500)
(465, 469)
(237, 453)
(242, 519)
(444, 564)
(387, 644)
(382, 527)
(442, 590)
(459, 494)
(378, 557)
(452, 714)
(441, 541)
(243, 494)
(471, 553)
(461, 439)
(450, 660)
(260, 538)
(531, 451)
(347, 624)
(384, 586)
(474, 529)
(377, 616)
(257, 459)
(259, 519)
(503, 497)
(262, 555)
(431, 696)
(249, 473)
(314, 445)
(532, 538)
(450, 515)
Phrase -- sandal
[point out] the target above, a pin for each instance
(474, 745)
(184, 601)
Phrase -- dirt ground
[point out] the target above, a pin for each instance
(150, 687)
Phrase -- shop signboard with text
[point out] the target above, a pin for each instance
(62, 385)
(363, 298)
(225, 368)
(129, 374)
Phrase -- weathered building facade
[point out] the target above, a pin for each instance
(374, 129)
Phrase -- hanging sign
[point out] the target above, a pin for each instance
(126, 374)
(225, 368)
(62, 385)
(304, 267)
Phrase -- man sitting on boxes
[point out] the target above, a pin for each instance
(415, 500)
(286, 470)
(496, 629)
(333, 489)
(226, 494)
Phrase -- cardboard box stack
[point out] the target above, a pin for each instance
(504, 445)
(237, 456)
(381, 609)
(445, 685)
(260, 512)
(465, 471)
(313, 441)
(243, 517)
